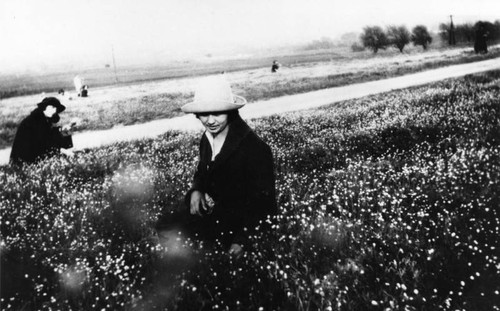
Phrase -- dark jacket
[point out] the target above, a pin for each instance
(240, 180)
(37, 138)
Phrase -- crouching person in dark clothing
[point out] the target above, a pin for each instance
(233, 190)
(38, 136)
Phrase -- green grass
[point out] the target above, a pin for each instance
(388, 202)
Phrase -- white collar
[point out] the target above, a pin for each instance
(222, 136)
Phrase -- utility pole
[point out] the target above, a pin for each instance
(451, 39)
(114, 62)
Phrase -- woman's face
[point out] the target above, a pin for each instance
(214, 122)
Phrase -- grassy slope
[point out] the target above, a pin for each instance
(307, 73)
(389, 201)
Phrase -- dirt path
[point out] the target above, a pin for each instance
(276, 105)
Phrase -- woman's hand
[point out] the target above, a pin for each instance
(67, 130)
(197, 203)
(210, 204)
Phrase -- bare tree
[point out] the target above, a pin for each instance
(420, 36)
(399, 36)
(374, 38)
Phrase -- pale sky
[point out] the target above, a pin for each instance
(44, 33)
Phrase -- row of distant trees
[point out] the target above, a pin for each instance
(376, 38)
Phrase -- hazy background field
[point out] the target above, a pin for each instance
(127, 103)
(19, 84)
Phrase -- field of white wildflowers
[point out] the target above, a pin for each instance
(389, 202)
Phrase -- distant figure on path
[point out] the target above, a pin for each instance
(275, 67)
(38, 136)
(234, 184)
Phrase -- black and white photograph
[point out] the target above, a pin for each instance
(257, 155)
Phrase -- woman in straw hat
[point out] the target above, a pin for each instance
(233, 188)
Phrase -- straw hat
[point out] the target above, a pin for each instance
(214, 94)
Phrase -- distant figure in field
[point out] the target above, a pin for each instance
(84, 91)
(275, 67)
(61, 92)
(480, 45)
(38, 136)
(80, 86)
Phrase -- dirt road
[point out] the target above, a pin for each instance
(275, 106)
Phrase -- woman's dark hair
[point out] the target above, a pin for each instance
(231, 114)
